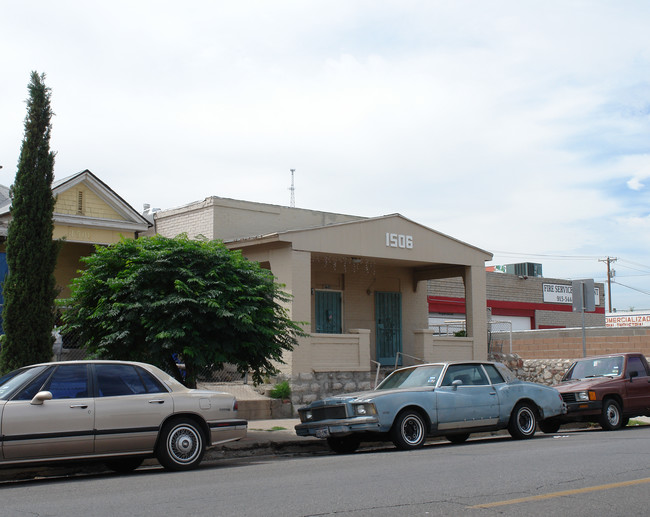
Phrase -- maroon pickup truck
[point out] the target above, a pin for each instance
(608, 390)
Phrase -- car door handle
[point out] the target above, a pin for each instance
(493, 393)
(81, 406)
(157, 401)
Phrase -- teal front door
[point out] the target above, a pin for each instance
(388, 321)
(328, 312)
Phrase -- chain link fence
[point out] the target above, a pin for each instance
(69, 347)
(455, 328)
(499, 333)
(499, 337)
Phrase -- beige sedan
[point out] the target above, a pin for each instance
(117, 411)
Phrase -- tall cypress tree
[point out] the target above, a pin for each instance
(29, 288)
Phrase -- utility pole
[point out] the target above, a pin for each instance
(609, 261)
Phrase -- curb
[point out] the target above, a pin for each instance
(267, 448)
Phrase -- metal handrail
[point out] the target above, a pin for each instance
(377, 374)
(398, 354)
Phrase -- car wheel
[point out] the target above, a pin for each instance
(124, 465)
(611, 418)
(181, 445)
(344, 445)
(549, 426)
(409, 430)
(458, 438)
(523, 421)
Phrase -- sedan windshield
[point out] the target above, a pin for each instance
(14, 380)
(416, 377)
(596, 367)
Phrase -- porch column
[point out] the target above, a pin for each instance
(476, 308)
(293, 269)
(301, 309)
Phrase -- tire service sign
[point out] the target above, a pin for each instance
(563, 293)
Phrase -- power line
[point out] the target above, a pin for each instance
(542, 255)
(633, 288)
(645, 268)
(610, 274)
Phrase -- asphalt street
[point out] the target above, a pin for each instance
(578, 473)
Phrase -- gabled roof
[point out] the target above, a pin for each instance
(129, 219)
(107, 194)
(391, 237)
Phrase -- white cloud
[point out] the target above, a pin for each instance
(516, 126)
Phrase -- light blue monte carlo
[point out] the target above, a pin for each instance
(451, 399)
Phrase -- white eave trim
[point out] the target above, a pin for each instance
(99, 224)
(105, 194)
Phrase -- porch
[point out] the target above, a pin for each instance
(352, 351)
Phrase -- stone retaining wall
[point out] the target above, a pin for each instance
(542, 371)
(308, 387)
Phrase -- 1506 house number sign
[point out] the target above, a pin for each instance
(397, 240)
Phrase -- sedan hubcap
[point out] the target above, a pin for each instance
(184, 444)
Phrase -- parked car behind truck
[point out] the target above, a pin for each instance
(607, 389)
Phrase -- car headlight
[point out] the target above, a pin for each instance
(305, 416)
(582, 396)
(364, 409)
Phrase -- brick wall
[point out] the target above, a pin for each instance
(194, 220)
(567, 343)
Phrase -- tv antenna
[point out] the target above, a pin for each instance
(292, 188)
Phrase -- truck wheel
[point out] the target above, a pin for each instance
(523, 421)
(611, 418)
(409, 430)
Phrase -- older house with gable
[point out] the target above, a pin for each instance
(87, 213)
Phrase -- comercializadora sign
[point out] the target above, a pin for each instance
(628, 319)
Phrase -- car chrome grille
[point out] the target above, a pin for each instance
(568, 397)
(328, 413)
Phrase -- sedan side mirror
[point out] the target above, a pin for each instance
(456, 383)
(633, 374)
(41, 397)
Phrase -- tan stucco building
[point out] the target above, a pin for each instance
(359, 284)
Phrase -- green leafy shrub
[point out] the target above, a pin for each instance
(281, 390)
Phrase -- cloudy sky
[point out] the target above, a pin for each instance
(521, 127)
